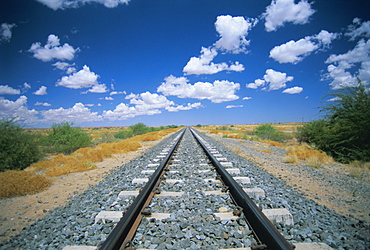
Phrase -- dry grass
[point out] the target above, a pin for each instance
(359, 169)
(265, 151)
(293, 159)
(15, 183)
(274, 143)
(313, 157)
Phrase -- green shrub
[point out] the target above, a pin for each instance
(344, 133)
(123, 134)
(269, 132)
(18, 147)
(63, 138)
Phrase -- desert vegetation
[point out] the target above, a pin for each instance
(61, 150)
(344, 131)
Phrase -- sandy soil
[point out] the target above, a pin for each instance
(19, 212)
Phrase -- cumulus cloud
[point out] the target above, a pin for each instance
(216, 92)
(358, 29)
(340, 66)
(280, 12)
(189, 106)
(41, 91)
(77, 114)
(257, 83)
(295, 51)
(275, 80)
(233, 32)
(99, 88)
(64, 4)
(7, 90)
(141, 104)
(6, 32)
(247, 98)
(52, 50)
(17, 109)
(69, 68)
(293, 90)
(234, 106)
(45, 104)
(81, 79)
(204, 65)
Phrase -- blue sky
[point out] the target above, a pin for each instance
(120, 62)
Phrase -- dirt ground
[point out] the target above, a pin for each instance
(19, 212)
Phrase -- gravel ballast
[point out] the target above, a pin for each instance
(74, 223)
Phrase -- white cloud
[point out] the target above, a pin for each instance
(7, 90)
(26, 86)
(358, 29)
(81, 79)
(295, 51)
(117, 92)
(234, 106)
(108, 98)
(99, 88)
(69, 68)
(204, 65)
(18, 110)
(293, 90)
(41, 91)
(189, 106)
(257, 83)
(64, 4)
(233, 32)
(141, 104)
(45, 104)
(247, 98)
(276, 79)
(217, 92)
(340, 66)
(52, 50)
(6, 31)
(77, 114)
(325, 38)
(282, 11)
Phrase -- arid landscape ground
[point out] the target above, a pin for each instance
(330, 185)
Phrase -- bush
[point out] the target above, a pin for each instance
(344, 132)
(269, 132)
(63, 138)
(18, 148)
(123, 134)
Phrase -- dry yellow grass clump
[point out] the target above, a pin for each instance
(14, 183)
(313, 157)
(83, 159)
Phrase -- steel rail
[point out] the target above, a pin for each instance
(262, 226)
(122, 230)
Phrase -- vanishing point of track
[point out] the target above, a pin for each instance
(194, 179)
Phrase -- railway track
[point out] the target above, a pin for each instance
(190, 190)
(194, 207)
